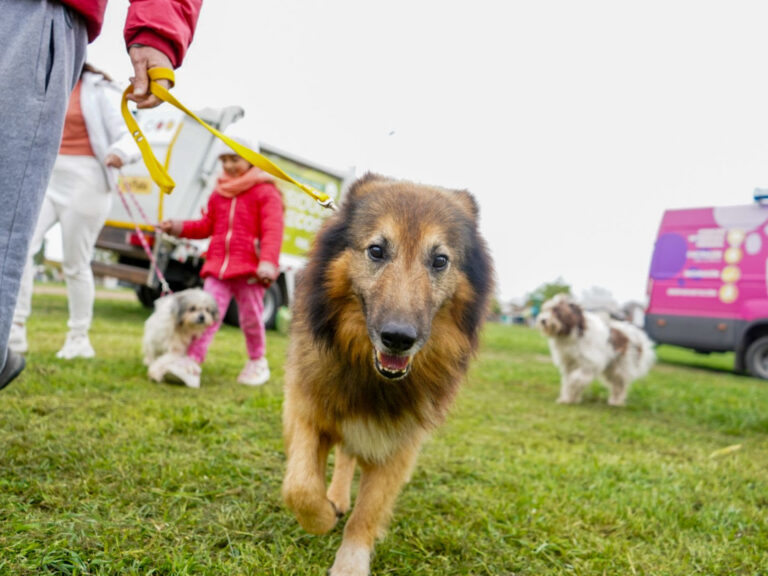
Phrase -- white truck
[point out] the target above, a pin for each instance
(190, 155)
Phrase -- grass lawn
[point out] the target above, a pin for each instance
(104, 472)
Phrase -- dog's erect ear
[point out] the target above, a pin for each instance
(468, 203)
(364, 185)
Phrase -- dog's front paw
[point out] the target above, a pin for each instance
(315, 515)
(351, 560)
(319, 520)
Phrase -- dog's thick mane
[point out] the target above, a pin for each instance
(335, 315)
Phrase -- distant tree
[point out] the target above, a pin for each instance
(495, 310)
(547, 291)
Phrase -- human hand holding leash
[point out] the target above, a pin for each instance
(143, 58)
(113, 161)
(266, 272)
(172, 227)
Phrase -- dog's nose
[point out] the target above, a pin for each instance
(543, 322)
(201, 318)
(398, 337)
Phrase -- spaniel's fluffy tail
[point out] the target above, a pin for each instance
(647, 356)
(641, 356)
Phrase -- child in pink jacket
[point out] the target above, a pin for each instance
(244, 220)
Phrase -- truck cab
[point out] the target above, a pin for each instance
(708, 283)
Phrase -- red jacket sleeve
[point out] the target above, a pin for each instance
(271, 211)
(202, 228)
(167, 25)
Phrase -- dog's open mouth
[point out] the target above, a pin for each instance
(391, 366)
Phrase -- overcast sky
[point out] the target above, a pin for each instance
(575, 124)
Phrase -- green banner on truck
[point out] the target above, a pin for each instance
(303, 215)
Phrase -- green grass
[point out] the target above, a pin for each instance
(104, 472)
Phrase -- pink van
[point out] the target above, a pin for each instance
(708, 283)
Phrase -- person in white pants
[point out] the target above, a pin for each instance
(79, 199)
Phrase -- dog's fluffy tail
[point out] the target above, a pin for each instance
(647, 356)
(642, 356)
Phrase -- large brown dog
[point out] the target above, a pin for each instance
(387, 315)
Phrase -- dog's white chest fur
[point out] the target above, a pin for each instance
(375, 441)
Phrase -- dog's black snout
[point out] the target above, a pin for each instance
(543, 322)
(398, 337)
(201, 318)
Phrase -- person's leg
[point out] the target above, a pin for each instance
(46, 220)
(43, 53)
(81, 219)
(221, 292)
(250, 306)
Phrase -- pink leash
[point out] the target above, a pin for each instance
(121, 183)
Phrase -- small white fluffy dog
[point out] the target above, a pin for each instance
(585, 346)
(178, 319)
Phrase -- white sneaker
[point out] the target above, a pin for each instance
(183, 370)
(17, 341)
(255, 373)
(77, 346)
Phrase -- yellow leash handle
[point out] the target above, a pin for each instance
(159, 173)
(156, 170)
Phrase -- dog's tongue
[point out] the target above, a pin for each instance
(393, 363)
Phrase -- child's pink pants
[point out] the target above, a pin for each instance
(249, 295)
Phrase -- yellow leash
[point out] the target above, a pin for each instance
(159, 173)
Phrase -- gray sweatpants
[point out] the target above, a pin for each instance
(43, 50)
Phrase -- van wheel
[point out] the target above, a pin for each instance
(273, 299)
(756, 359)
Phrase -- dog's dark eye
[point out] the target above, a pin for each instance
(440, 262)
(376, 252)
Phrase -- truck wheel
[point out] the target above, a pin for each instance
(756, 359)
(147, 295)
(273, 299)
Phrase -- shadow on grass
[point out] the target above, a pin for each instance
(693, 365)
(715, 362)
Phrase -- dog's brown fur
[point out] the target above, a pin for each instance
(619, 341)
(571, 318)
(349, 303)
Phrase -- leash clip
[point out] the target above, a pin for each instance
(328, 203)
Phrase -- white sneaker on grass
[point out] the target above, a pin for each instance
(76, 346)
(255, 373)
(17, 341)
